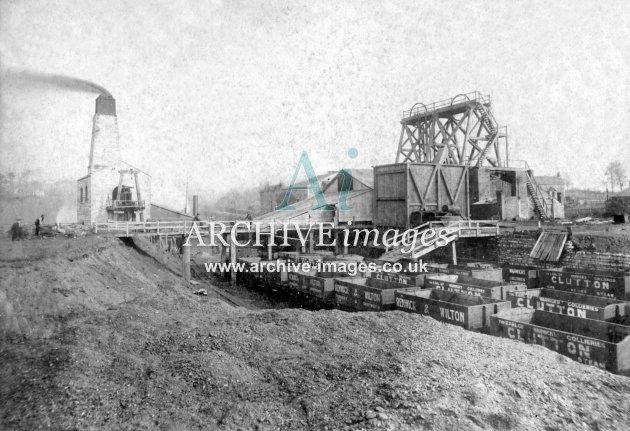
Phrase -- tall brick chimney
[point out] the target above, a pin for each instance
(105, 148)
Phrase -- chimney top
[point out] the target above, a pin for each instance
(105, 105)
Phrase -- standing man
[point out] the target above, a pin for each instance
(16, 231)
(37, 223)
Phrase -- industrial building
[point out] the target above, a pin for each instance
(112, 190)
(452, 159)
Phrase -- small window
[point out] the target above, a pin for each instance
(81, 194)
(86, 193)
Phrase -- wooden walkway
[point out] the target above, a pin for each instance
(183, 227)
(467, 228)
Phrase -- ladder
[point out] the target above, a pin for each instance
(541, 205)
(490, 124)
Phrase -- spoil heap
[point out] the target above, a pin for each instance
(97, 334)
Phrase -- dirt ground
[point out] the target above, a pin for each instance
(609, 238)
(95, 334)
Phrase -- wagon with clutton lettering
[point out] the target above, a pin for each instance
(593, 342)
(479, 271)
(592, 282)
(388, 279)
(472, 286)
(569, 303)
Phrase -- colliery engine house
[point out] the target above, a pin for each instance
(112, 190)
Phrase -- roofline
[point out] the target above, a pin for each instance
(171, 210)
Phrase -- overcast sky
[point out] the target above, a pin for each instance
(230, 93)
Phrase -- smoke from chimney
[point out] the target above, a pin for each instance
(31, 79)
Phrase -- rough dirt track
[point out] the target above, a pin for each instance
(96, 335)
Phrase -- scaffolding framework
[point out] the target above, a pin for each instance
(457, 131)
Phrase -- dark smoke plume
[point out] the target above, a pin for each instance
(29, 78)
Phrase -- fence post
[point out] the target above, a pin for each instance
(185, 261)
(232, 261)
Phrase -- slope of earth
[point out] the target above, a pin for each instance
(95, 334)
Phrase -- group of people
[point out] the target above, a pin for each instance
(17, 232)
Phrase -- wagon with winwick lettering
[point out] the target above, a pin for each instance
(589, 282)
(569, 303)
(593, 342)
(521, 274)
(468, 311)
(480, 271)
(472, 286)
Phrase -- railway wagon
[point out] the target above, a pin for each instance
(480, 272)
(346, 257)
(569, 303)
(593, 342)
(360, 294)
(311, 259)
(346, 293)
(526, 275)
(297, 257)
(467, 311)
(260, 273)
(296, 281)
(275, 273)
(247, 277)
(319, 285)
(291, 256)
(472, 286)
(595, 283)
(401, 279)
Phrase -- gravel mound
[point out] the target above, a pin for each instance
(116, 341)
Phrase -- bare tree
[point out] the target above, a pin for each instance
(615, 174)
